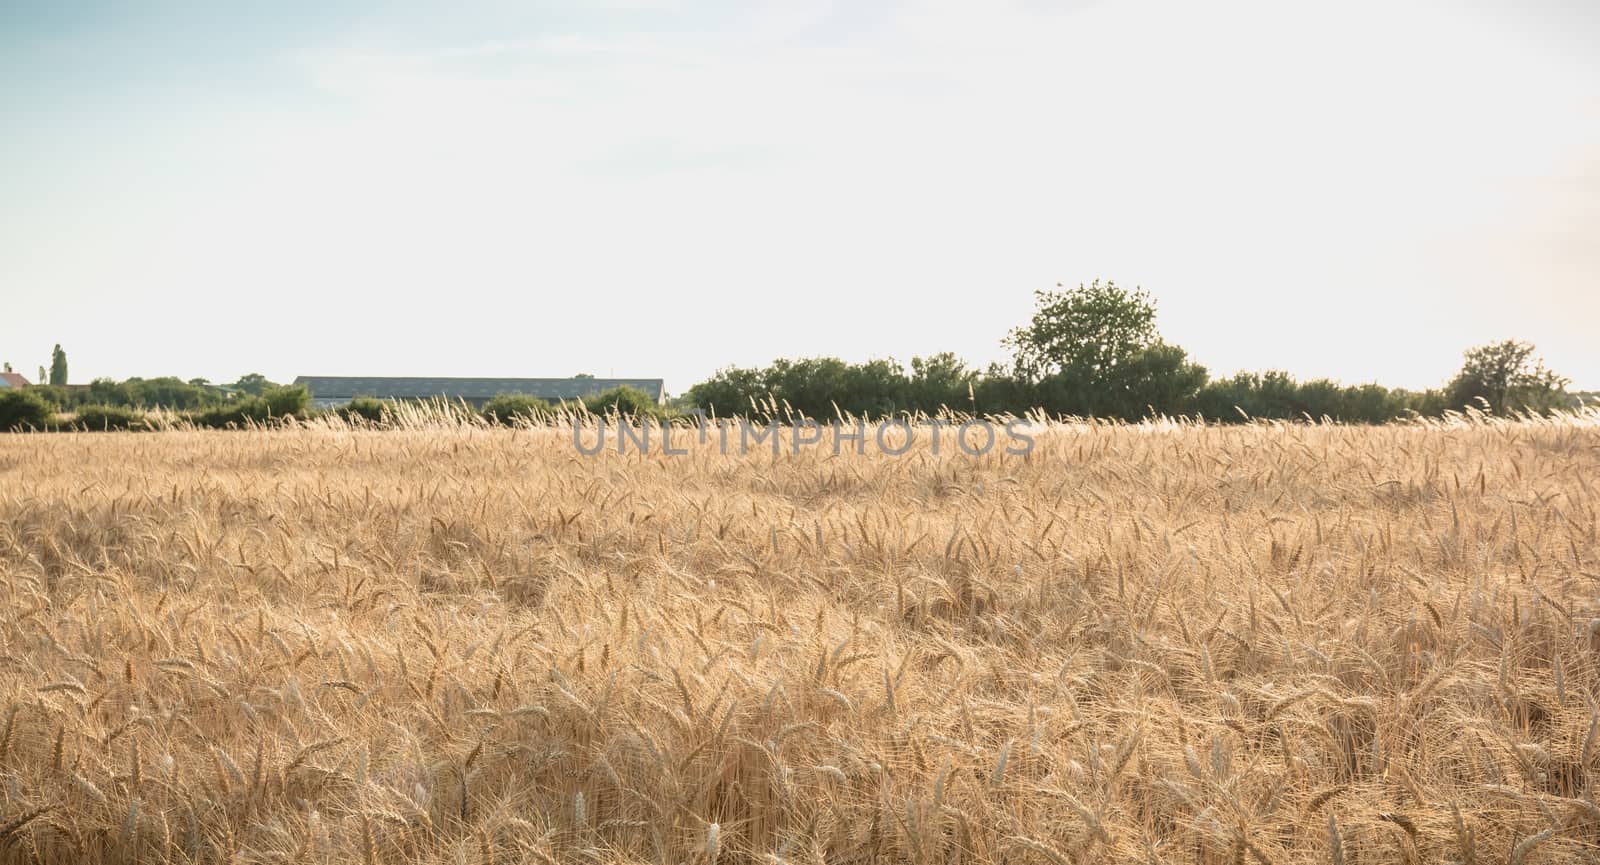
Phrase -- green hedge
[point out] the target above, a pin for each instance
(274, 404)
(104, 418)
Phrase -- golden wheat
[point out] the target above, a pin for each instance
(1156, 643)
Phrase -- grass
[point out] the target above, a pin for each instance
(1157, 643)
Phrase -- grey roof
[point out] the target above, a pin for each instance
(325, 387)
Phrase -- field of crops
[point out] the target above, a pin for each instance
(1268, 643)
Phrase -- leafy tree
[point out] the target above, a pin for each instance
(105, 391)
(1084, 333)
(729, 391)
(941, 380)
(1509, 378)
(44, 377)
(811, 385)
(168, 392)
(58, 366)
(1094, 350)
(254, 384)
(7, 366)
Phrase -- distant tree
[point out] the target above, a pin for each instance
(254, 384)
(106, 391)
(1094, 350)
(1084, 333)
(941, 380)
(1509, 378)
(58, 366)
(200, 382)
(1158, 378)
(584, 375)
(44, 377)
(8, 366)
(729, 392)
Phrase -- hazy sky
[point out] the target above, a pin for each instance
(1358, 190)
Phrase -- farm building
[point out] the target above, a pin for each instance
(12, 379)
(327, 391)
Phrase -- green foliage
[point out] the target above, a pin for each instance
(22, 409)
(1158, 376)
(253, 384)
(821, 387)
(508, 409)
(274, 404)
(1156, 379)
(56, 397)
(287, 399)
(1084, 333)
(365, 408)
(938, 381)
(105, 391)
(814, 385)
(628, 401)
(102, 418)
(1507, 378)
(998, 392)
(58, 366)
(1094, 351)
(168, 392)
(1275, 395)
(729, 392)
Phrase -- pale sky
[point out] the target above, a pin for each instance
(1358, 190)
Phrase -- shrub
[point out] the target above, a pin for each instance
(509, 408)
(285, 400)
(21, 410)
(626, 400)
(367, 408)
(102, 418)
(274, 404)
(234, 414)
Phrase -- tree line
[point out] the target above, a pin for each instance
(1089, 351)
(127, 406)
(1095, 351)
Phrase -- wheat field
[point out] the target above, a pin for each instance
(1163, 643)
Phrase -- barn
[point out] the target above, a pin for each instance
(328, 390)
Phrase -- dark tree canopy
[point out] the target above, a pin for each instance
(1508, 377)
(253, 384)
(58, 366)
(1084, 332)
